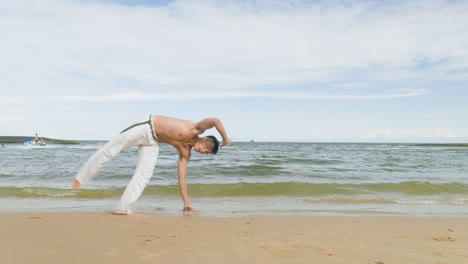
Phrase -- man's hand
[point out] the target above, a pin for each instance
(226, 142)
(189, 208)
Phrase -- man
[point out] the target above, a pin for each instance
(147, 135)
(39, 141)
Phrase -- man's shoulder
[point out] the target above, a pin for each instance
(184, 150)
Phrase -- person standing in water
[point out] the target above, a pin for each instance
(148, 135)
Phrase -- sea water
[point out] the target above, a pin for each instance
(249, 178)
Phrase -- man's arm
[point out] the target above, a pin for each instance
(184, 157)
(214, 122)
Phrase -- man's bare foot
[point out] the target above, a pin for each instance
(76, 184)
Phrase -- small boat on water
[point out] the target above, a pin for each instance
(33, 143)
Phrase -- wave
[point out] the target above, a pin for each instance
(300, 161)
(252, 170)
(41, 192)
(243, 189)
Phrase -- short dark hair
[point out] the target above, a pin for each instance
(215, 142)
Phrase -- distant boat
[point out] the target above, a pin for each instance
(252, 141)
(32, 143)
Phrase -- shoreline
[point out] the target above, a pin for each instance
(239, 207)
(100, 237)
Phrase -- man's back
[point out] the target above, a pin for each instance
(174, 131)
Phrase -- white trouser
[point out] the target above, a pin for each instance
(148, 149)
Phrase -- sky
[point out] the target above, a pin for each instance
(304, 71)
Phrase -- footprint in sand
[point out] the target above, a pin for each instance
(148, 238)
(36, 217)
(444, 238)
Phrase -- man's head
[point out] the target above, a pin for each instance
(208, 144)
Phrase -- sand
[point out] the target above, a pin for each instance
(93, 237)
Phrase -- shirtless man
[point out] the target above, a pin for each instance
(147, 135)
(39, 141)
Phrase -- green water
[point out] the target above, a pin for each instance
(277, 177)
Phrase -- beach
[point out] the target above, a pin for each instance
(100, 237)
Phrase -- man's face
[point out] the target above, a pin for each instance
(204, 146)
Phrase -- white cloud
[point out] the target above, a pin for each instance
(73, 47)
(437, 134)
(138, 96)
(444, 133)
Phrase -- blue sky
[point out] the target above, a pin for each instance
(321, 71)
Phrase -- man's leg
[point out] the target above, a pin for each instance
(147, 156)
(105, 153)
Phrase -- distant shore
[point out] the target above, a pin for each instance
(444, 145)
(21, 139)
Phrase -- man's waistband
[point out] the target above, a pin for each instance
(149, 122)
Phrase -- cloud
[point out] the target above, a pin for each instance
(436, 134)
(135, 96)
(138, 96)
(444, 132)
(92, 48)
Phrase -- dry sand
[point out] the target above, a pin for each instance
(77, 237)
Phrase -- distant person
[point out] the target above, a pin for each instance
(39, 141)
(147, 135)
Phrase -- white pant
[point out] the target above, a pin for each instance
(148, 149)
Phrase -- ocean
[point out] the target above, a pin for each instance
(249, 178)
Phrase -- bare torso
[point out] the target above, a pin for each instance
(176, 132)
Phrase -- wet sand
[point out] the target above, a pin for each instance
(82, 237)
